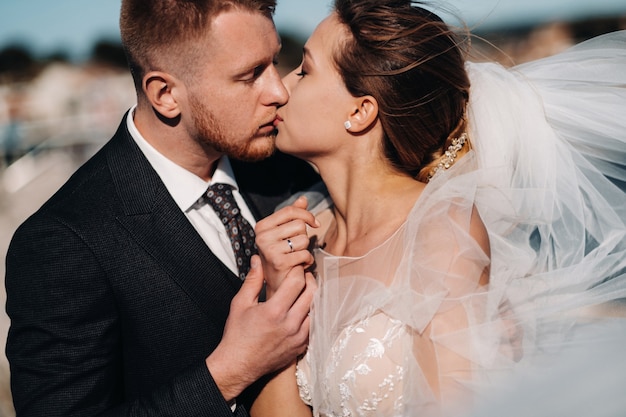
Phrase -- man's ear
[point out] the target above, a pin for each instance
(161, 88)
(364, 114)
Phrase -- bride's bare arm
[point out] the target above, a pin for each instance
(280, 397)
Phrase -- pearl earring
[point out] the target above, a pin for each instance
(347, 124)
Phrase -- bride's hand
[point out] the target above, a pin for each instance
(283, 242)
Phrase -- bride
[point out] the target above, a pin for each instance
(478, 225)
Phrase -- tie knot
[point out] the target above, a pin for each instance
(221, 198)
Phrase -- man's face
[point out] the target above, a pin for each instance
(233, 106)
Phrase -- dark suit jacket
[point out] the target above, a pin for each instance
(115, 301)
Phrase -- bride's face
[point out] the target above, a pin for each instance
(311, 124)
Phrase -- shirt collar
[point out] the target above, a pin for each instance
(185, 187)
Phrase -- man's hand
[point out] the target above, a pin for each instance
(260, 338)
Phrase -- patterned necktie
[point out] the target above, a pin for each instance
(241, 234)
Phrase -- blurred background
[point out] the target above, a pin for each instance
(64, 86)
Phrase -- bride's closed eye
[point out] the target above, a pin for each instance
(302, 71)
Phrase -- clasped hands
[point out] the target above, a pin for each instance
(283, 242)
(264, 337)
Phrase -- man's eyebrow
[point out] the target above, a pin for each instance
(260, 62)
(252, 66)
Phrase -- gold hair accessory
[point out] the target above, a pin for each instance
(448, 158)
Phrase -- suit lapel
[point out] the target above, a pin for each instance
(157, 224)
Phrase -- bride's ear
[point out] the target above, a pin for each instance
(364, 114)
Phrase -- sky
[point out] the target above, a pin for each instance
(47, 26)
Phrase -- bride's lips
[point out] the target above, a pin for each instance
(277, 120)
(268, 126)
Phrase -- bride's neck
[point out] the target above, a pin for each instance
(370, 204)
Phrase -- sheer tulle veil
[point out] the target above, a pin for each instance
(550, 141)
(549, 171)
(550, 144)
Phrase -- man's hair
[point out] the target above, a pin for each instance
(163, 34)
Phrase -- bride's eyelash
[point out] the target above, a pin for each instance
(302, 73)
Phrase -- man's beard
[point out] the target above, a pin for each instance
(210, 133)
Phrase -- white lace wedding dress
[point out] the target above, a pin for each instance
(406, 330)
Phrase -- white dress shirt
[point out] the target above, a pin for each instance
(187, 190)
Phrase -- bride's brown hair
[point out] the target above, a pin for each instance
(411, 62)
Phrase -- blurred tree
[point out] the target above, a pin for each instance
(291, 51)
(17, 64)
(588, 28)
(110, 53)
(57, 56)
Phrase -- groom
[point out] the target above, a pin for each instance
(123, 290)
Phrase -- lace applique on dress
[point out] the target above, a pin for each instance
(364, 372)
(303, 383)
